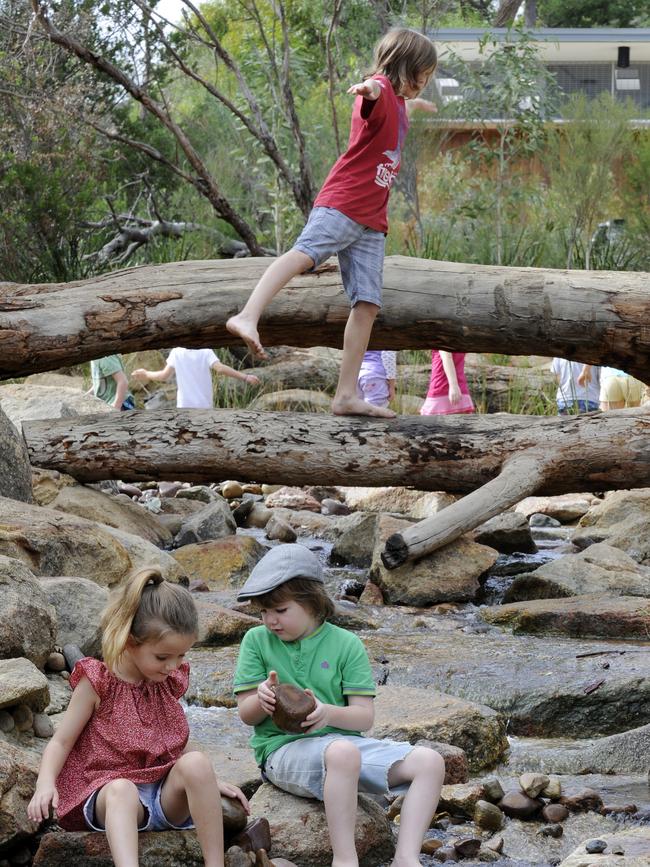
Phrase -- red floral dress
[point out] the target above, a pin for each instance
(137, 733)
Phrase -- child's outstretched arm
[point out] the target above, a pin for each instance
(368, 89)
(142, 375)
(255, 705)
(83, 703)
(224, 370)
(450, 372)
(358, 715)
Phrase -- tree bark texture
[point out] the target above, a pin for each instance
(594, 452)
(590, 316)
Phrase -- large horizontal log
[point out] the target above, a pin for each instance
(597, 317)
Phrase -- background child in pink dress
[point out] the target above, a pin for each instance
(448, 391)
(118, 762)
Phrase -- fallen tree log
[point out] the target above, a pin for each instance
(497, 460)
(597, 317)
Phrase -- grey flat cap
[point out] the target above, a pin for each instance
(280, 565)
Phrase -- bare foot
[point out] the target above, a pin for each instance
(244, 328)
(356, 406)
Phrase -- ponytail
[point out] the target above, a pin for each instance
(145, 608)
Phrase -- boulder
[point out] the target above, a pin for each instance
(60, 492)
(356, 544)
(27, 618)
(448, 575)
(566, 508)
(219, 625)
(590, 616)
(79, 604)
(506, 533)
(18, 772)
(15, 469)
(22, 683)
(519, 805)
(29, 402)
(621, 520)
(299, 829)
(403, 501)
(223, 563)
(84, 848)
(633, 841)
(277, 529)
(460, 799)
(407, 714)
(214, 521)
(292, 498)
(52, 543)
(601, 568)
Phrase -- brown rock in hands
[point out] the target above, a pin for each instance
(292, 706)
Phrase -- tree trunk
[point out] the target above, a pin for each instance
(498, 460)
(506, 12)
(590, 316)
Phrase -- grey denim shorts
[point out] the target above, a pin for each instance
(360, 251)
(154, 816)
(299, 766)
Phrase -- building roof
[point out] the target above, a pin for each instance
(561, 44)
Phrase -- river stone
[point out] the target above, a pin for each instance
(633, 840)
(79, 604)
(532, 784)
(518, 805)
(493, 790)
(507, 533)
(231, 489)
(587, 799)
(257, 516)
(621, 520)
(460, 799)
(277, 529)
(355, 545)
(182, 508)
(299, 829)
(455, 759)
(403, 501)
(446, 853)
(599, 569)
(22, 683)
(555, 813)
(214, 521)
(321, 526)
(488, 816)
(115, 511)
(15, 470)
(448, 575)
(565, 508)
(18, 772)
(219, 625)
(468, 847)
(590, 616)
(292, 498)
(84, 848)
(406, 714)
(27, 619)
(198, 493)
(52, 543)
(222, 563)
(553, 789)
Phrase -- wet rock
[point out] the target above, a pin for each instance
(356, 544)
(407, 714)
(553, 830)
(27, 619)
(79, 604)
(488, 816)
(468, 847)
(599, 569)
(586, 800)
(299, 829)
(633, 840)
(493, 790)
(506, 533)
(215, 521)
(292, 498)
(223, 563)
(461, 799)
(277, 529)
(371, 595)
(523, 840)
(42, 724)
(539, 520)
(518, 805)
(495, 843)
(555, 813)
(595, 847)
(446, 853)
(553, 789)
(448, 575)
(532, 784)
(430, 845)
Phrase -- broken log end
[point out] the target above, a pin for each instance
(395, 551)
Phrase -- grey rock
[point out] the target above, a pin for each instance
(15, 469)
(43, 727)
(488, 816)
(215, 521)
(507, 533)
(79, 604)
(277, 529)
(537, 519)
(595, 847)
(27, 619)
(493, 790)
(532, 784)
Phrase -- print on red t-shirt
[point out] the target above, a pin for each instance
(359, 182)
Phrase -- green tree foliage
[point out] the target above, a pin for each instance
(593, 13)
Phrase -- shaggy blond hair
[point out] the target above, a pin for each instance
(402, 55)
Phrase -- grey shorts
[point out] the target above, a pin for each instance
(360, 251)
(299, 767)
(373, 389)
(154, 817)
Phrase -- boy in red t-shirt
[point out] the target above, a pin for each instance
(349, 214)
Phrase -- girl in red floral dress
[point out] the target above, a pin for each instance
(119, 762)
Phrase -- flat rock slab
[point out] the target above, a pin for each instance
(407, 714)
(565, 507)
(86, 849)
(590, 616)
(635, 843)
(22, 683)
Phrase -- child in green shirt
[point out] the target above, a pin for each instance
(332, 760)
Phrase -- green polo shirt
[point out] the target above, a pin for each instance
(332, 662)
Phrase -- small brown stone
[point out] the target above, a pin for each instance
(395, 807)
(584, 801)
(488, 816)
(517, 805)
(555, 813)
(55, 662)
(468, 847)
(430, 845)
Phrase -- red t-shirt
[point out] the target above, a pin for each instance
(359, 182)
(438, 385)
